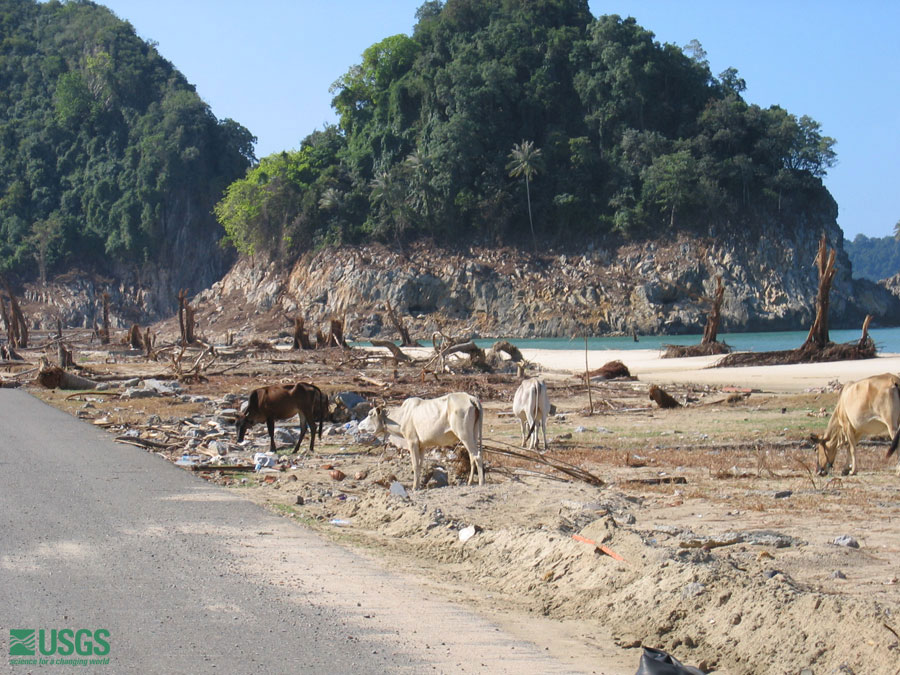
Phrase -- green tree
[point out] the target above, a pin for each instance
(45, 236)
(671, 182)
(525, 161)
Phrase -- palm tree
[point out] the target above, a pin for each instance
(525, 160)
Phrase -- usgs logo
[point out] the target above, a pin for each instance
(61, 642)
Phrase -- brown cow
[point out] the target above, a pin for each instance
(864, 408)
(281, 402)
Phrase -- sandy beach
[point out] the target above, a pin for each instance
(647, 366)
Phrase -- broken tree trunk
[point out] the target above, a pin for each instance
(104, 332)
(336, 334)
(301, 337)
(405, 339)
(148, 343)
(709, 344)
(186, 319)
(64, 356)
(17, 318)
(8, 324)
(864, 339)
(715, 314)
(662, 399)
(818, 333)
(135, 338)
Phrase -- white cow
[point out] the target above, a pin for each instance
(419, 424)
(532, 405)
(864, 408)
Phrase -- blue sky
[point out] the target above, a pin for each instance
(269, 65)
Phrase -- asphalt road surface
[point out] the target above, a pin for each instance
(186, 577)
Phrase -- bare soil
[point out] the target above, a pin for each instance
(710, 538)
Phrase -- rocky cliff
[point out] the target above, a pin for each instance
(652, 288)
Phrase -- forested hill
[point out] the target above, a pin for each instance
(109, 160)
(496, 109)
(873, 258)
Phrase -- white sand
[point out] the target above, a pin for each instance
(647, 366)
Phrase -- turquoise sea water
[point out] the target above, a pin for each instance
(887, 340)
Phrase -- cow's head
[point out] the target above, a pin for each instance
(243, 422)
(374, 423)
(825, 453)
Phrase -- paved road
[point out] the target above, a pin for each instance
(189, 578)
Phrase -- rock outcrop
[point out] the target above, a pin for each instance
(652, 288)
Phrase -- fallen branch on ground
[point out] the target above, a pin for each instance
(558, 465)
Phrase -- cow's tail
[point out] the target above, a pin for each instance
(480, 427)
(531, 430)
(895, 441)
(535, 406)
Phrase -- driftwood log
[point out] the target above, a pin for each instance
(54, 377)
(610, 371)
(393, 349)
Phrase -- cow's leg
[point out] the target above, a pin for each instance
(270, 425)
(302, 433)
(524, 431)
(311, 423)
(415, 454)
(852, 468)
(475, 462)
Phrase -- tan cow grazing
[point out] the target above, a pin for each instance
(419, 424)
(864, 408)
(532, 405)
(281, 402)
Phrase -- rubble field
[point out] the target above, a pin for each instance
(701, 530)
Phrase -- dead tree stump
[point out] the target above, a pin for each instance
(104, 331)
(135, 338)
(711, 331)
(16, 326)
(186, 319)
(400, 327)
(818, 338)
(662, 399)
(301, 337)
(336, 334)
